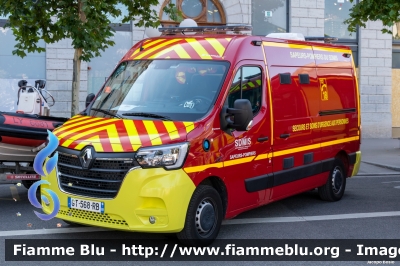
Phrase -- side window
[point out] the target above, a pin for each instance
(247, 84)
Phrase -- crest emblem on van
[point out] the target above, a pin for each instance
(324, 89)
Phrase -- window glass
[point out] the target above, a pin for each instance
(249, 87)
(396, 58)
(213, 14)
(269, 16)
(14, 68)
(337, 11)
(178, 90)
(102, 66)
(396, 31)
(165, 16)
(192, 8)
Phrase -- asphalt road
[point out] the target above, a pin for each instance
(370, 209)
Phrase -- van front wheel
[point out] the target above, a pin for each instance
(334, 187)
(203, 217)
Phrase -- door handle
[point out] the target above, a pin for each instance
(262, 139)
(284, 136)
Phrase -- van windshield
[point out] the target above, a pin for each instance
(177, 90)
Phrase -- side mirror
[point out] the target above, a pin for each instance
(242, 114)
(89, 99)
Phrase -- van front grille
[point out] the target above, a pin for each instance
(102, 180)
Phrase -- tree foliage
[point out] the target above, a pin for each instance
(385, 10)
(87, 22)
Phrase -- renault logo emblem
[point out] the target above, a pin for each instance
(86, 157)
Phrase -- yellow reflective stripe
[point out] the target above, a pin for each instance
(189, 126)
(200, 168)
(239, 161)
(228, 39)
(95, 141)
(251, 84)
(335, 50)
(86, 124)
(152, 132)
(264, 156)
(258, 82)
(269, 155)
(133, 134)
(148, 51)
(198, 48)
(177, 48)
(216, 45)
(339, 141)
(287, 45)
(294, 150)
(172, 130)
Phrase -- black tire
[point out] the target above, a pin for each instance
(335, 185)
(28, 183)
(203, 217)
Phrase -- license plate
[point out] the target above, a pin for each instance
(87, 205)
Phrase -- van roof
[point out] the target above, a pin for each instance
(204, 47)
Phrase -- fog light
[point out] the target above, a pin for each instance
(152, 219)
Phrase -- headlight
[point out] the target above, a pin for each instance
(168, 156)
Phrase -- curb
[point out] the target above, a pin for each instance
(391, 167)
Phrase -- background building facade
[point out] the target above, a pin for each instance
(376, 55)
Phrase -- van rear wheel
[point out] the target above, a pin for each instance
(203, 217)
(335, 185)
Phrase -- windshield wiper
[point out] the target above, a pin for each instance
(166, 118)
(105, 112)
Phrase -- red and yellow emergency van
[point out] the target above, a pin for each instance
(192, 129)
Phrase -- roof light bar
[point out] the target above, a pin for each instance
(325, 39)
(201, 29)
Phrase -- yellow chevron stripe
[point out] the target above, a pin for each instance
(228, 39)
(171, 128)
(111, 134)
(148, 51)
(189, 126)
(147, 44)
(258, 82)
(88, 124)
(94, 141)
(133, 134)
(200, 168)
(114, 138)
(177, 48)
(251, 84)
(199, 48)
(152, 132)
(70, 123)
(217, 46)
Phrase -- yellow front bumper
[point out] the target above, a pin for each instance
(155, 192)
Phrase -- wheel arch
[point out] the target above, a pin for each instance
(218, 185)
(344, 157)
